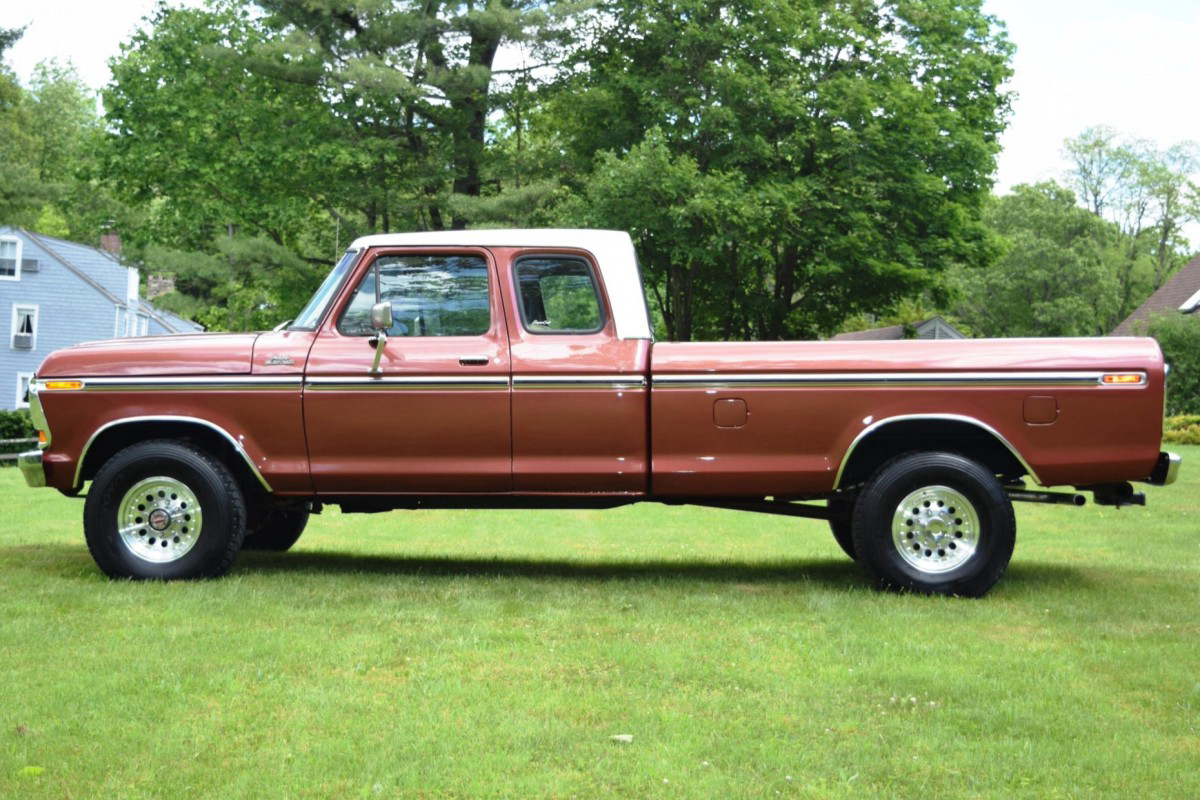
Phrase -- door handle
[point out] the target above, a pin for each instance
(473, 361)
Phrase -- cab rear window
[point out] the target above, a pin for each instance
(558, 294)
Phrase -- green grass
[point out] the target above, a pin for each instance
(494, 654)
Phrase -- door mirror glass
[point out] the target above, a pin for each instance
(381, 316)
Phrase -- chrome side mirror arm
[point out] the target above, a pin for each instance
(381, 321)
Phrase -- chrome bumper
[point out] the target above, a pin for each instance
(1166, 470)
(31, 467)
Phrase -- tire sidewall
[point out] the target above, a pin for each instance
(872, 524)
(219, 497)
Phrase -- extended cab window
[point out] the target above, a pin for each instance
(430, 296)
(558, 294)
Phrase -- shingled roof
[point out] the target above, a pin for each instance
(933, 328)
(1182, 289)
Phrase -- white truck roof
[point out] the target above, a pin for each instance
(613, 251)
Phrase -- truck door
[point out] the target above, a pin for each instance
(579, 392)
(436, 417)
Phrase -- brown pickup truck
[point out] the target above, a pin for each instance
(516, 369)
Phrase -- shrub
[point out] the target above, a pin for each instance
(1179, 337)
(15, 425)
(1182, 429)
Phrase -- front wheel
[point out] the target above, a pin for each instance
(164, 510)
(934, 523)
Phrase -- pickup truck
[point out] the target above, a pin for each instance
(517, 369)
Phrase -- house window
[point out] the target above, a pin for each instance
(10, 259)
(23, 379)
(24, 327)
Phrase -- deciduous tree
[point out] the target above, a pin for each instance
(861, 136)
(1057, 274)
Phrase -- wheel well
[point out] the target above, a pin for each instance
(116, 438)
(946, 435)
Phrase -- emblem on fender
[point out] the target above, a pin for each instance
(280, 361)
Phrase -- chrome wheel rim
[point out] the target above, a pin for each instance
(935, 529)
(159, 520)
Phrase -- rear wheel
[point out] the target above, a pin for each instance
(164, 510)
(935, 523)
(279, 529)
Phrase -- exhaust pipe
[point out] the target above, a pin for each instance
(1058, 498)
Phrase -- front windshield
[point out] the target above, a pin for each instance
(308, 319)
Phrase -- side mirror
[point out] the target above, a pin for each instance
(381, 322)
(381, 316)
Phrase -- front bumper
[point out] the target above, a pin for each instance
(31, 467)
(1166, 470)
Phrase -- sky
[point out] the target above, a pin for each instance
(1133, 65)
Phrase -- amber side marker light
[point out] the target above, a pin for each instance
(42, 437)
(1123, 379)
(62, 385)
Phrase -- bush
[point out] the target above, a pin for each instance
(1179, 337)
(15, 425)
(1182, 429)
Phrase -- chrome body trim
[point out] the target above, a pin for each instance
(874, 426)
(237, 445)
(621, 382)
(30, 463)
(191, 383)
(782, 380)
(36, 415)
(411, 383)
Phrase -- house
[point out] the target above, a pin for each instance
(58, 293)
(1181, 294)
(933, 328)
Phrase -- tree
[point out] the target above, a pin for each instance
(1179, 337)
(419, 77)
(248, 284)
(369, 115)
(681, 219)
(861, 137)
(821, 161)
(215, 148)
(1057, 272)
(20, 193)
(48, 175)
(1150, 196)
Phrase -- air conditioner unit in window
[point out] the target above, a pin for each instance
(23, 341)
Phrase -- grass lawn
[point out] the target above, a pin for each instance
(495, 654)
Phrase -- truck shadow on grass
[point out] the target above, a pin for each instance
(773, 571)
(73, 562)
(832, 573)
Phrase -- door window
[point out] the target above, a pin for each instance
(430, 296)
